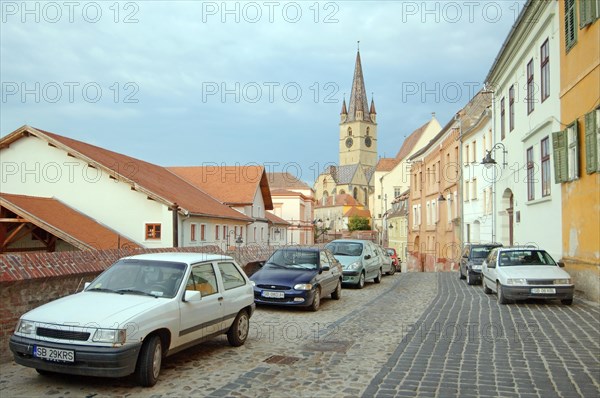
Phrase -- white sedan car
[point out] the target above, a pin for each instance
(518, 273)
(135, 313)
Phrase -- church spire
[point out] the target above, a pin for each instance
(358, 109)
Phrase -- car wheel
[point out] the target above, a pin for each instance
(378, 277)
(501, 297)
(337, 293)
(470, 280)
(486, 289)
(567, 301)
(361, 281)
(460, 274)
(149, 361)
(316, 303)
(238, 332)
(392, 270)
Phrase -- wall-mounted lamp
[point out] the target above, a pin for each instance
(442, 198)
(489, 161)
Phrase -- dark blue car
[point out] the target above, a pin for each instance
(298, 276)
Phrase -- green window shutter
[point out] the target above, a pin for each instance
(588, 12)
(591, 148)
(559, 147)
(576, 151)
(570, 24)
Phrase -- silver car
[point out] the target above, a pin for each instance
(360, 261)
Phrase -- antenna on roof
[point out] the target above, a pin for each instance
(358, 45)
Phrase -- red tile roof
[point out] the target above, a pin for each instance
(155, 181)
(355, 211)
(64, 222)
(388, 164)
(275, 220)
(343, 199)
(285, 181)
(232, 185)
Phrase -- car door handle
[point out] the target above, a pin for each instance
(220, 298)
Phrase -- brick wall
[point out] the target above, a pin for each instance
(29, 280)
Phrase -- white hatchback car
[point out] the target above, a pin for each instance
(135, 313)
(518, 273)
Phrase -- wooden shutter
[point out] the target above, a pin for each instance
(591, 148)
(588, 12)
(570, 23)
(559, 147)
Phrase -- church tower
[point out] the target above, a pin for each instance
(358, 127)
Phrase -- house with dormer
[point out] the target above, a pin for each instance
(140, 202)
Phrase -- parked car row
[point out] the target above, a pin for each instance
(516, 273)
(146, 307)
(302, 276)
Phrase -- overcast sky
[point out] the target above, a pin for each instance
(194, 83)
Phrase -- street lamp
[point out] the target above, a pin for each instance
(488, 161)
(442, 198)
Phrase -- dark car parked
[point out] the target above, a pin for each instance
(298, 276)
(472, 257)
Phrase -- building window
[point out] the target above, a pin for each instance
(530, 175)
(511, 108)
(467, 154)
(428, 214)
(545, 69)
(202, 232)
(414, 220)
(224, 231)
(419, 214)
(216, 232)
(474, 157)
(192, 232)
(152, 231)
(588, 12)
(592, 141)
(570, 23)
(449, 208)
(530, 88)
(397, 191)
(474, 189)
(545, 147)
(565, 146)
(467, 196)
(573, 150)
(434, 212)
(502, 119)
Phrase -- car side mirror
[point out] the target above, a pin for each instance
(192, 295)
(561, 264)
(367, 256)
(325, 267)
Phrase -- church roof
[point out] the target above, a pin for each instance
(343, 174)
(285, 181)
(358, 95)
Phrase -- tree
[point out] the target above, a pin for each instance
(357, 223)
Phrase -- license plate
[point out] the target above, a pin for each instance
(273, 294)
(543, 290)
(53, 354)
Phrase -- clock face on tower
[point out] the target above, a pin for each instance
(368, 141)
(349, 142)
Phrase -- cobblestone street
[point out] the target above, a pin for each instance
(414, 334)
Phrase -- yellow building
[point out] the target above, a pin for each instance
(577, 147)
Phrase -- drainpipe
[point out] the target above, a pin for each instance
(175, 209)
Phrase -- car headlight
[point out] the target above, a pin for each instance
(566, 281)
(25, 327)
(253, 283)
(303, 286)
(475, 266)
(110, 336)
(354, 265)
(516, 281)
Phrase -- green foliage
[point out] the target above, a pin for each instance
(357, 223)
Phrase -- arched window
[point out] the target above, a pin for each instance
(349, 131)
(355, 193)
(368, 131)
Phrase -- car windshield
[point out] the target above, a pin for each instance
(481, 252)
(345, 248)
(525, 257)
(294, 259)
(140, 277)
